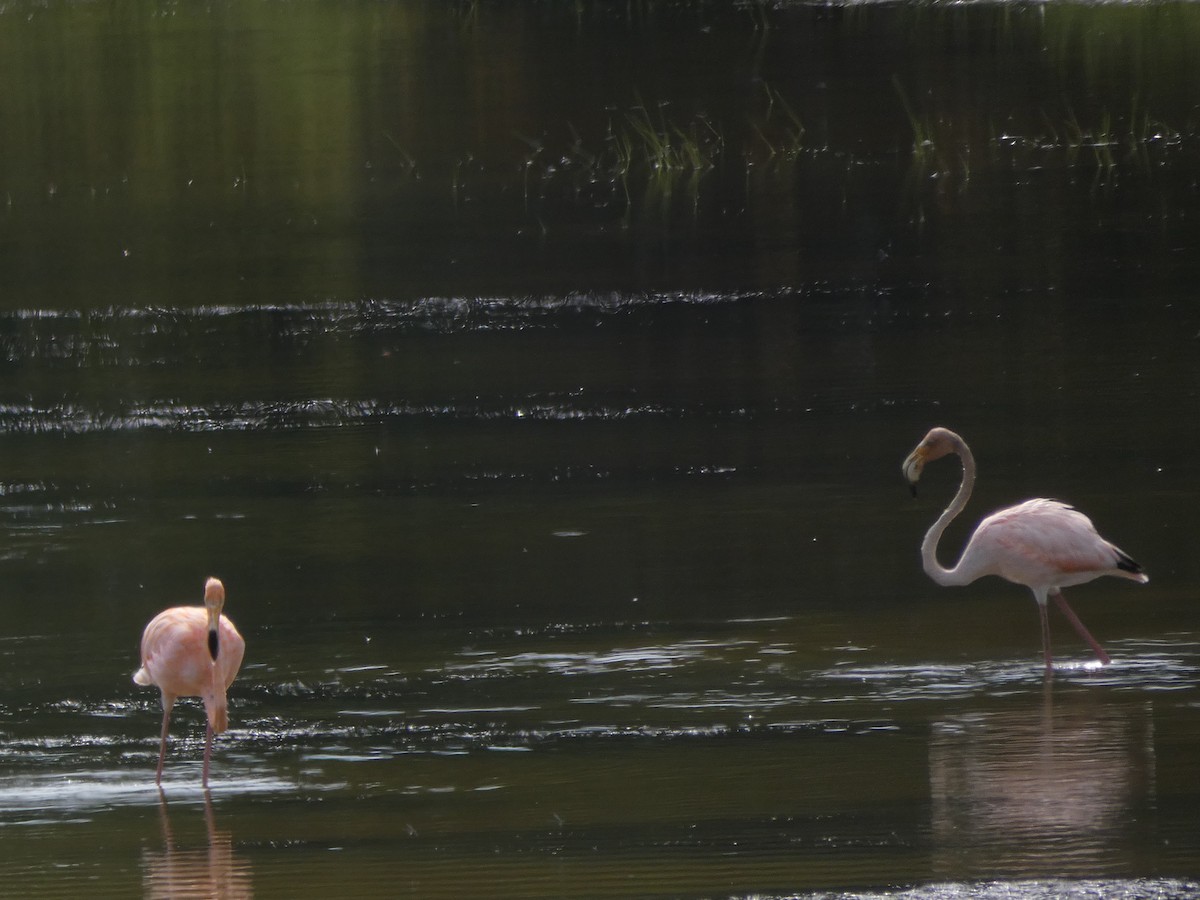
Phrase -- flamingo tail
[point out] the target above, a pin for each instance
(1127, 564)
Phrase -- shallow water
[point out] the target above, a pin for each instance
(537, 381)
(608, 761)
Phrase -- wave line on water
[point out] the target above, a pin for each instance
(98, 334)
(94, 790)
(73, 418)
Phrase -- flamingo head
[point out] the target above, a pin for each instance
(938, 443)
(214, 601)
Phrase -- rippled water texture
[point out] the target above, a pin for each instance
(601, 760)
(537, 377)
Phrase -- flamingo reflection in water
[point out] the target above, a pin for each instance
(1057, 787)
(1042, 544)
(213, 871)
(192, 651)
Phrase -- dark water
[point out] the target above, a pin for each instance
(537, 378)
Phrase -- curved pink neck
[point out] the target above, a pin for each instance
(929, 545)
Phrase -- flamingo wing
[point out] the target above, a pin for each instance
(1045, 543)
(175, 652)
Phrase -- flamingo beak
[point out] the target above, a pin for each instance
(214, 599)
(913, 467)
(214, 632)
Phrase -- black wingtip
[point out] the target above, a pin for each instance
(1127, 564)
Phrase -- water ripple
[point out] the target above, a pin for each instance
(69, 417)
(104, 335)
(84, 790)
(1000, 889)
(630, 659)
(1137, 666)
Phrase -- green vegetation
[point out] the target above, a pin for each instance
(287, 123)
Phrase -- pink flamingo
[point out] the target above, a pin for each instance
(1042, 544)
(191, 651)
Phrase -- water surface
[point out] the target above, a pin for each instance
(537, 380)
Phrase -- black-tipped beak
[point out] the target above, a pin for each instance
(912, 486)
(213, 644)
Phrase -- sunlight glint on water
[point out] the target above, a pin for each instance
(536, 378)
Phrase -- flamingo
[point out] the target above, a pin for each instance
(191, 651)
(1042, 544)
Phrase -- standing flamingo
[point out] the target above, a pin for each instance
(191, 651)
(1042, 544)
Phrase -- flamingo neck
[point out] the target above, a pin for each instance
(933, 568)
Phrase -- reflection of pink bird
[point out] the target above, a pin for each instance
(189, 651)
(1042, 544)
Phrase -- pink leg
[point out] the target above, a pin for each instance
(1079, 627)
(168, 702)
(208, 733)
(1046, 639)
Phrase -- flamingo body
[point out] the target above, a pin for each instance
(1043, 544)
(192, 651)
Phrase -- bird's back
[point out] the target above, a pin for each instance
(175, 652)
(1047, 543)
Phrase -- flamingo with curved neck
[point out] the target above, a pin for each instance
(192, 651)
(1042, 544)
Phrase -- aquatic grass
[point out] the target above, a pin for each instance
(1054, 139)
(1074, 131)
(536, 147)
(1147, 131)
(616, 147)
(1102, 146)
(790, 137)
(577, 149)
(927, 158)
(645, 158)
(922, 129)
(654, 144)
(408, 164)
(1103, 143)
(796, 132)
(643, 155)
(468, 14)
(648, 152)
(762, 137)
(665, 146)
(622, 153)
(665, 150)
(757, 10)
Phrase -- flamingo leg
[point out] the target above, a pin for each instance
(208, 733)
(1079, 627)
(167, 702)
(1045, 637)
